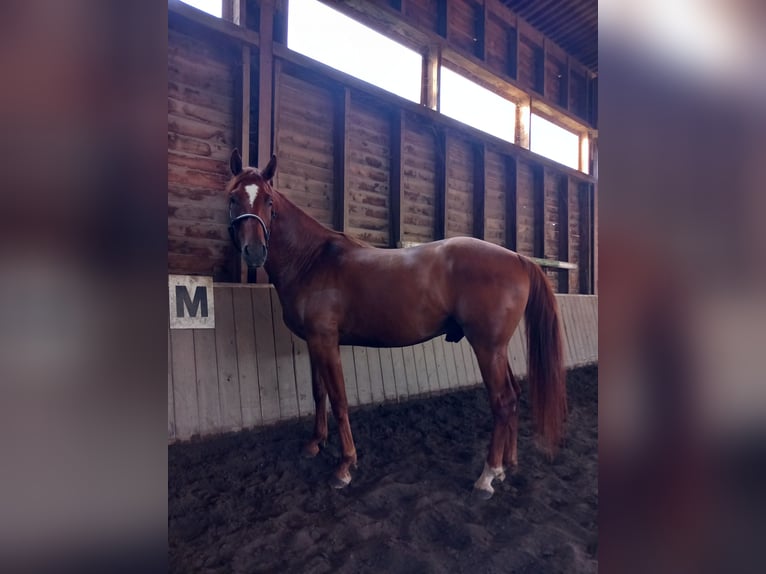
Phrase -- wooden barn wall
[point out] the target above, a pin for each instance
(251, 371)
(423, 14)
(529, 71)
(337, 158)
(306, 172)
(369, 171)
(464, 18)
(201, 122)
(578, 94)
(460, 189)
(418, 180)
(501, 46)
(495, 184)
(556, 80)
(551, 223)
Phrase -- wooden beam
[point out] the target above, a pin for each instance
(396, 189)
(511, 184)
(563, 224)
(182, 14)
(342, 110)
(479, 190)
(553, 263)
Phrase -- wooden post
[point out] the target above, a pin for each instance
(593, 189)
(513, 52)
(511, 184)
(563, 246)
(480, 31)
(431, 80)
(265, 93)
(523, 122)
(440, 198)
(479, 189)
(396, 189)
(442, 19)
(239, 10)
(538, 201)
(340, 137)
(227, 11)
(265, 81)
(242, 128)
(585, 270)
(539, 64)
(564, 91)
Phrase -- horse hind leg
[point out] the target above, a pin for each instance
(493, 364)
(510, 453)
(319, 438)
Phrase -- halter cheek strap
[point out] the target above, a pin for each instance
(236, 220)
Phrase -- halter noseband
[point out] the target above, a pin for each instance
(236, 220)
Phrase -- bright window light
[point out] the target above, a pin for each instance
(214, 7)
(554, 142)
(470, 103)
(326, 35)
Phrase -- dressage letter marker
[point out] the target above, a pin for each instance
(191, 302)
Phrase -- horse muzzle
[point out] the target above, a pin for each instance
(255, 254)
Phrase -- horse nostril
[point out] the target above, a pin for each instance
(246, 249)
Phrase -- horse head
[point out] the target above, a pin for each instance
(251, 209)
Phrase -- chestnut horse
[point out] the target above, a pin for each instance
(337, 290)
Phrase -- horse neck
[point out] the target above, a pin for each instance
(296, 239)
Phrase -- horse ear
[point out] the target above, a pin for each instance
(271, 169)
(235, 163)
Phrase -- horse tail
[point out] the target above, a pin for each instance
(547, 381)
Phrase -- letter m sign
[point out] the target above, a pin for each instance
(191, 302)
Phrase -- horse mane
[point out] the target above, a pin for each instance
(330, 233)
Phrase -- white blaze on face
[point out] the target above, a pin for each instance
(252, 192)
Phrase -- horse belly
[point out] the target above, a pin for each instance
(393, 325)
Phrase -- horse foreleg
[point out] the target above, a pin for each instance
(326, 357)
(320, 416)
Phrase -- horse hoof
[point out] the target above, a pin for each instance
(482, 494)
(338, 483)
